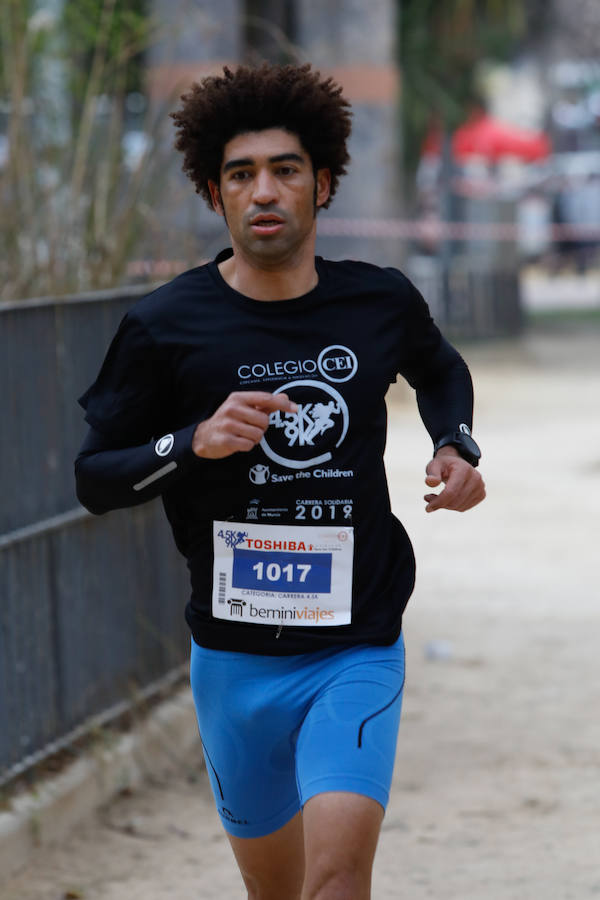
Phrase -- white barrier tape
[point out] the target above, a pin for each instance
(436, 230)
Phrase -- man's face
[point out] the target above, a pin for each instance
(268, 195)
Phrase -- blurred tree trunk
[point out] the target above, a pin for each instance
(270, 27)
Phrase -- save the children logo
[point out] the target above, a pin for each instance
(259, 474)
(307, 436)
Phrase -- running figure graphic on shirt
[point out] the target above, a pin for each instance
(311, 421)
(233, 538)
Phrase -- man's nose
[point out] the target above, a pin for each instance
(265, 188)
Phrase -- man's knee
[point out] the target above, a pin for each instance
(346, 883)
(262, 890)
(269, 888)
(341, 831)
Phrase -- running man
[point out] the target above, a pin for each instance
(299, 571)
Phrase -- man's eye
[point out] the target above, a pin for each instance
(240, 176)
(286, 170)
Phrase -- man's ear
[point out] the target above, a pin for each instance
(215, 196)
(323, 186)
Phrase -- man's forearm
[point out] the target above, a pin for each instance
(112, 477)
(445, 398)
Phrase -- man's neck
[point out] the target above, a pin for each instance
(284, 282)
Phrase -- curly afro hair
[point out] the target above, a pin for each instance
(253, 99)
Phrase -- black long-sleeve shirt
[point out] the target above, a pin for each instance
(334, 351)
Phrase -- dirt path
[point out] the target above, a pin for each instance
(497, 785)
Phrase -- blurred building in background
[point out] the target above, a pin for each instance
(354, 43)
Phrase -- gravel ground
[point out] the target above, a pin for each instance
(496, 791)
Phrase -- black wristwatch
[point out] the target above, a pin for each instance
(463, 442)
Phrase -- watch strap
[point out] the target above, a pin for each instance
(463, 442)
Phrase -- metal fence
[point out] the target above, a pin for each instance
(467, 300)
(91, 609)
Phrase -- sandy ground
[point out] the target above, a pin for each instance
(497, 784)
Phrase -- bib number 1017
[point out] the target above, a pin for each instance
(274, 572)
(286, 571)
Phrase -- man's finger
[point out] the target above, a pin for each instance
(459, 494)
(436, 501)
(252, 415)
(248, 432)
(268, 402)
(434, 468)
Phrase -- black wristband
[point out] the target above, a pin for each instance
(463, 442)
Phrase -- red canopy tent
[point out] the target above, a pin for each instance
(483, 135)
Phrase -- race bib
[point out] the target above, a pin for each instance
(282, 575)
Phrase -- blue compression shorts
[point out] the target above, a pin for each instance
(276, 730)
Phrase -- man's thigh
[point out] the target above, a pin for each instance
(247, 717)
(348, 738)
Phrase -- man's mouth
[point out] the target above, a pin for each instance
(266, 223)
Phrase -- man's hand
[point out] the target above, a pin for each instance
(464, 485)
(238, 424)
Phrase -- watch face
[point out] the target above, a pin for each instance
(470, 447)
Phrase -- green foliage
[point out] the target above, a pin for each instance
(78, 206)
(441, 44)
(120, 29)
